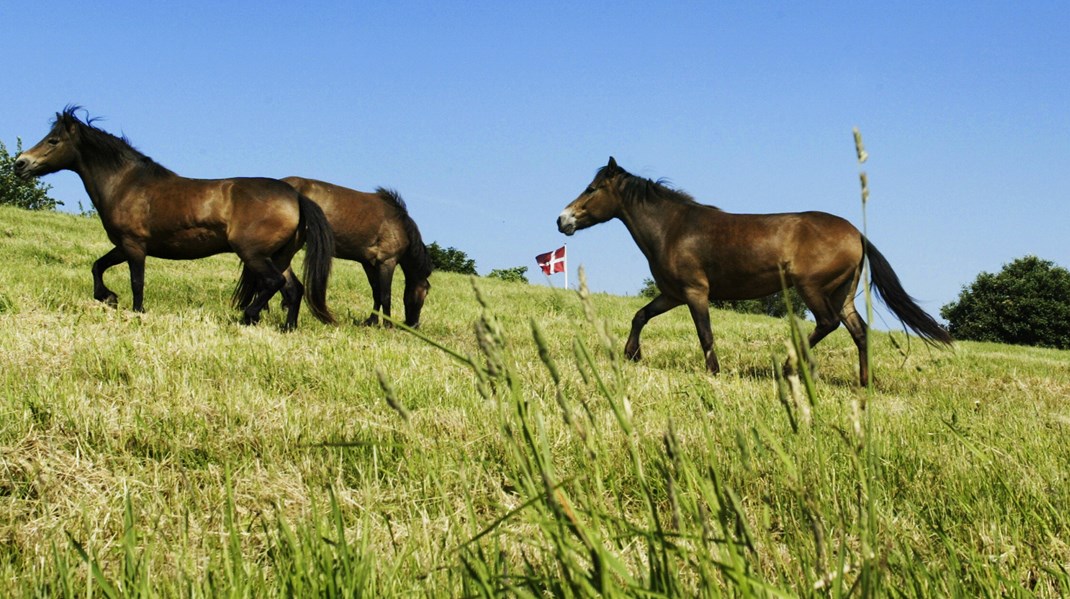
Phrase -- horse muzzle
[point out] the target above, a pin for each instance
(21, 166)
(566, 223)
(26, 168)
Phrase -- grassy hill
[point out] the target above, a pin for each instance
(177, 452)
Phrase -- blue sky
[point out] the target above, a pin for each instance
(489, 118)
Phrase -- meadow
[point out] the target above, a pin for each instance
(503, 448)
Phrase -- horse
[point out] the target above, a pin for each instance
(699, 253)
(148, 210)
(375, 229)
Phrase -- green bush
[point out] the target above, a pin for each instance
(30, 194)
(451, 259)
(1026, 303)
(514, 275)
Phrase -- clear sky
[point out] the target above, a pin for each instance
(489, 117)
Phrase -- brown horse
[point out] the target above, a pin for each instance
(147, 210)
(698, 253)
(375, 229)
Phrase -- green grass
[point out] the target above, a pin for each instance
(178, 453)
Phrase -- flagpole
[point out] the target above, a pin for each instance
(566, 266)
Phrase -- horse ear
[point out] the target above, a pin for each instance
(612, 163)
(63, 119)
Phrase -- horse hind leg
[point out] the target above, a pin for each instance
(292, 292)
(857, 327)
(271, 280)
(290, 276)
(829, 319)
(291, 288)
(824, 312)
(827, 322)
(822, 307)
(699, 305)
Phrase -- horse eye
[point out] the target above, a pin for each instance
(53, 141)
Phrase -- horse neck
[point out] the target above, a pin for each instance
(648, 222)
(102, 180)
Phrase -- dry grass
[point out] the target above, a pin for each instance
(119, 433)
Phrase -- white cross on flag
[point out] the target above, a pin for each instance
(552, 262)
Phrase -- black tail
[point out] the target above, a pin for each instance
(319, 251)
(415, 261)
(899, 302)
(245, 290)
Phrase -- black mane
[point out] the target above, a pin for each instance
(102, 146)
(634, 188)
(393, 198)
(416, 261)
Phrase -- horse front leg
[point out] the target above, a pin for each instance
(380, 278)
(135, 257)
(699, 305)
(659, 305)
(386, 282)
(100, 292)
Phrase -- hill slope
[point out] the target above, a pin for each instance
(178, 450)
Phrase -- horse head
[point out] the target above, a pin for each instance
(599, 202)
(56, 151)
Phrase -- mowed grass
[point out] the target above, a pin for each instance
(178, 453)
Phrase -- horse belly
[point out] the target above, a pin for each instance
(747, 274)
(189, 244)
(348, 248)
(743, 289)
(366, 243)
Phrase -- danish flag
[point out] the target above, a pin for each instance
(552, 262)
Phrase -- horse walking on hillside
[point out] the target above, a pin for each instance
(698, 253)
(147, 210)
(375, 229)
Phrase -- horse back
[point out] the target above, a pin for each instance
(741, 256)
(191, 218)
(366, 227)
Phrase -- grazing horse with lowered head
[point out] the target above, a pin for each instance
(375, 229)
(148, 210)
(698, 253)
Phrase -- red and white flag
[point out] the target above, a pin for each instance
(552, 262)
